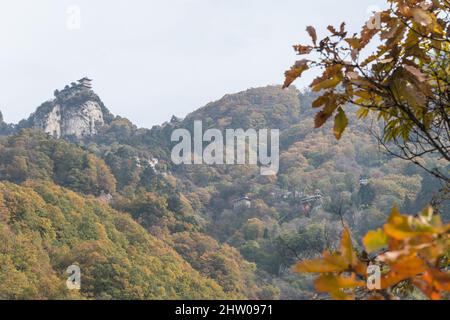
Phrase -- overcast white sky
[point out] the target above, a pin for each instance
(151, 59)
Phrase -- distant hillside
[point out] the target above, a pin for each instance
(226, 231)
(5, 128)
(268, 107)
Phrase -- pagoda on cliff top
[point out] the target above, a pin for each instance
(86, 83)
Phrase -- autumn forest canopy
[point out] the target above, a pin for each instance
(363, 187)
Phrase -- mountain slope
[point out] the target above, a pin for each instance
(190, 209)
(257, 108)
(45, 228)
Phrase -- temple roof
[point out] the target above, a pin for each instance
(84, 79)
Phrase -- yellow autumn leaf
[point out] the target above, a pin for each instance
(433, 283)
(362, 113)
(328, 83)
(335, 284)
(375, 240)
(402, 227)
(354, 42)
(363, 94)
(340, 123)
(427, 19)
(295, 72)
(422, 17)
(405, 267)
(348, 253)
(328, 263)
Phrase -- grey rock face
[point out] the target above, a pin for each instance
(80, 121)
(76, 112)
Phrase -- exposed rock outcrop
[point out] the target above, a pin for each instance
(80, 121)
(76, 112)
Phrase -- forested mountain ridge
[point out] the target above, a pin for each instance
(45, 228)
(236, 251)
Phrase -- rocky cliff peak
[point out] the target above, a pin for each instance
(76, 111)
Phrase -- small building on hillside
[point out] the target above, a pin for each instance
(311, 202)
(243, 202)
(105, 197)
(152, 163)
(364, 181)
